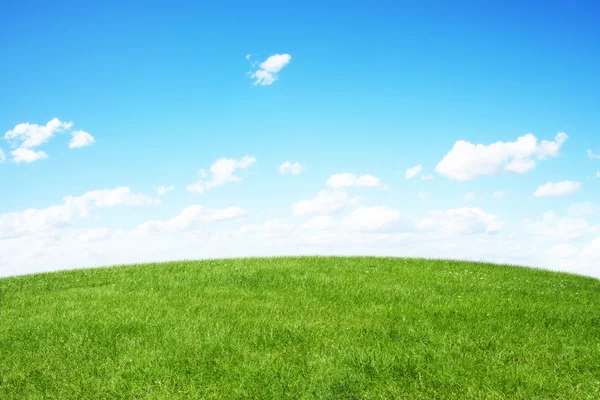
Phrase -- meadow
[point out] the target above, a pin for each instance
(301, 328)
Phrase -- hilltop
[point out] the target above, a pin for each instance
(306, 327)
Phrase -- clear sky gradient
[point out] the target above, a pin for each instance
(371, 88)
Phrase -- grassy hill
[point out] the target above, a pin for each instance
(292, 328)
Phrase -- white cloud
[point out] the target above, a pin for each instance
(413, 171)
(319, 223)
(325, 203)
(34, 221)
(2, 156)
(191, 218)
(26, 137)
(248, 56)
(80, 139)
(269, 69)
(460, 221)
(498, 194)
(557, 189)
(598, 174)
(470, 196)
(275, 228)
(423, 195)
(467, 161)
(33, 135)
(564, 229)
(221, 173)
(346, 180)
(25, 155)
(291, 168)
(162, 190)
(372, 219)
(592, 155)
(426, 177)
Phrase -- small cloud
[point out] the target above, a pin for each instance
(423, 195)
(598, 174)
(470, 196)
(592, 155)
(325, 203)
(2, 156)
(289, 168)
(248, 56)
(26, 137)
(25, 155)
(426, 177)
(221, 173)
(269, 69)
(497, 195)
(346, 180)
(557, 189)
(413, 171)
(162, 190)
(81, 139)
(467, 161)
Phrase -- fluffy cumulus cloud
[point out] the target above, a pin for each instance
(557, 189)
(80, 139)
(467, 161)
(378, 219)
(25, 155)
(26, 137)
(33, 135)
(268, 71)
(413, 171)
(291, 168)
(460, 221)
(347, 180)
(191, 218)
(326, 202)
(162, 190)
(38, 221)
(221, 172)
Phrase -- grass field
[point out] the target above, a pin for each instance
(301, 328)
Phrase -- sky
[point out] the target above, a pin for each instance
(154, 131)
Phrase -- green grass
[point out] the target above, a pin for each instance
(301, 328)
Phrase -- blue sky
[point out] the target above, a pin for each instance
(166, 89)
